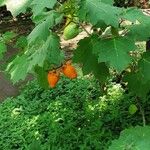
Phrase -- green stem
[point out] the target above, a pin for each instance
(141, 110)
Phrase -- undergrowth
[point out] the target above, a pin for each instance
(72, 116)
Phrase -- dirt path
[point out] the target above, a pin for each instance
(7, 89)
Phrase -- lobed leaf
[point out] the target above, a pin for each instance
(115, 51)
(84, 55)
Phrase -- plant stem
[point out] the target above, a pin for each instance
(141, 110)
(84, 29)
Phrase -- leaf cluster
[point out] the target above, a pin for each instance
(119, 29)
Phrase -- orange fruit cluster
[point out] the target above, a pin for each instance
(53, 78)
(68, 70)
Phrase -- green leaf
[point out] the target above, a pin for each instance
(132, 109)
(41, 31)
(133, 139)
(83, 54)
(18, 68)
(21, 42)
(42, 77)
(136, 84)
(55, 55)
(95, 11)
(45, 51)
(139, 82)
(38, 6)
(140, 32)
(132, 14)
(110, 2)
(101, 24)
(115, 51)
(8, 36)
(37, 54)
(3, 49)
(17, 6)
(144, 66)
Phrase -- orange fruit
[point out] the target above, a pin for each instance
(69, 71)
(53, 78)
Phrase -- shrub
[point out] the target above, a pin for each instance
(71, 116)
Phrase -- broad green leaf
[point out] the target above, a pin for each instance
(136, 138)
(55, 55)
(115, 52)
(18, 68)
(110, 2)
(38, 6)
(56, 18)
(21, 42)
(137, 85)
(144, 66)
(49, 50)
(95, 11)
(83, 54)
(17, 6)
(37, 54)
(101, 24)
(42, 77)
(3, 49)
(132, 14)
(42, 31)
(40, 18)
(140, 32)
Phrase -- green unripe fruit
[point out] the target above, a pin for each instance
(71, 31)
(132, 109)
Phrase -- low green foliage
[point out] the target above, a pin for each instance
(71, 116)
(133, 139)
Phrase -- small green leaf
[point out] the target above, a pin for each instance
(132, 109)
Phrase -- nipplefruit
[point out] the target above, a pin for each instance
(53, 78)
(69, 71)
